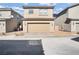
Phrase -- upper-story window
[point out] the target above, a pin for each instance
(43, 12)
(30, 11)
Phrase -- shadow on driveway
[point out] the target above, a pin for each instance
(21, 47)
(75, 39)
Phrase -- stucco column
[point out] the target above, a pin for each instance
(52, 26)
(73, 26)
(25, 26)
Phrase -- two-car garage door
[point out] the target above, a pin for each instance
(38, 27)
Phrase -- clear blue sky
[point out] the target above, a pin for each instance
(18, 6)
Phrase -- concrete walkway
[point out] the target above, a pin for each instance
(55, 33)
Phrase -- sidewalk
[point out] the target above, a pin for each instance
(62, 33)
(56, 33)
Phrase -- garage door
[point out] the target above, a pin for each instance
(77, 27)
(38, 27)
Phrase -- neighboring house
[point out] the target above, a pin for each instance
(68, 19)
(38, 19)
(9, 20)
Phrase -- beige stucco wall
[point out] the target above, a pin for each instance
(2, 26)
(74, 27)
(50, 26)
(67, 27)
(7, 26)
(36, 14)
(73, 12)
(11, 25)
(60, 21)
(5, 14)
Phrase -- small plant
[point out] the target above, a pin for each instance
(2, 33)
(77, 32)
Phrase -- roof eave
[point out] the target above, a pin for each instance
(38, 7)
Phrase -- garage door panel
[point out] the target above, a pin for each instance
(38, 27)
(77, 27)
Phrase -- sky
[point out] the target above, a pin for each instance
(58, 7)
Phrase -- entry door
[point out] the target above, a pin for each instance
(38, 27)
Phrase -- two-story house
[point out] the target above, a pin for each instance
(68, 19)
(38, 19)
(8, 20)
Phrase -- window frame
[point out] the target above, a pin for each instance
(31, 11)
(44, 12)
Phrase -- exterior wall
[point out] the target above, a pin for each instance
(2, 26)
(25, 25)
(74, 27)
(77, 26)
(11, 25)
(36, 14)
(5, 14)
(67, 27)
(60, 21)
(16, 16)
(73, 13)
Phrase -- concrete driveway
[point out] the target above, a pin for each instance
(61, 45)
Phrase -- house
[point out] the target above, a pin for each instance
(8, 20)
(68, 19)
(38, 19)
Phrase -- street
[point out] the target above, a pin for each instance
(21, 47)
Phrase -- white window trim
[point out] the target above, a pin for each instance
(43, 11)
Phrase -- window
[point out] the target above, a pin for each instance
(67, 21)
(30, 11)
(43, 12)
